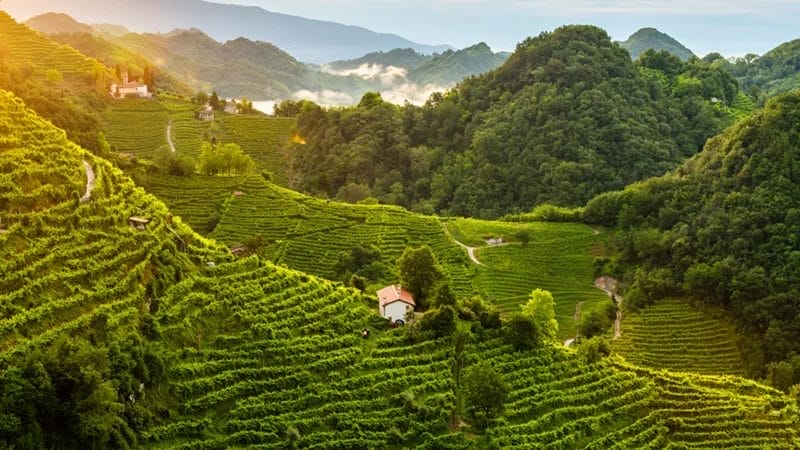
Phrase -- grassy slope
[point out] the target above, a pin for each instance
(308, 234)
(260, 355)
(140, 127)
(673, 335)
(558, 258)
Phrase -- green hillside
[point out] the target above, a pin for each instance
(55, 80)
(558, 258)
(139, 127)
(135, 340)
(309, 234)
(650, 38)
(674, 335)
(723, 229)
(405, 58)
(566, 117)
(775, 72)
(453, 66)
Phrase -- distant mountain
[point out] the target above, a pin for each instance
(443, 69)
(453, 66)
(308, 40)
(648, 38)
(51, 23)
(237, 68)
(406, 58)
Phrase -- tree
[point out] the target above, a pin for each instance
(484, 394)
(523, 236)
(541, 309)
(224, 159)
(202, 98)
(214, 102)
(521, 332)
(444, 296)
(419, 273)
(440, 322)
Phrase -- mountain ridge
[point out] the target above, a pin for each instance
(309, 40)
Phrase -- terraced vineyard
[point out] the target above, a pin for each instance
(308, 234)
(263, 138)
(41, 53)
(558, 258)
(66, 262)
(140, 127)
(673, 335)
(259, 356)
(198, 200)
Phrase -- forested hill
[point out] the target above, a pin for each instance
(453, 66)
(440, 69)
(568, 116)
(725, 228)
(775, 72)
(650, 38)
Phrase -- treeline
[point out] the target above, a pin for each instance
(724, 228)
(762, 77)
(567, 117)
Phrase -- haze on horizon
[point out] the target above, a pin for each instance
(731, 27)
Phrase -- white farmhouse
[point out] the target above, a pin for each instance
(394, 302)
(128, 88)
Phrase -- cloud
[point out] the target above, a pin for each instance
(325, 97)
(386, 75)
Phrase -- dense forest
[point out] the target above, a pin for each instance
(567, 117)
(724, 228)
(775, 72)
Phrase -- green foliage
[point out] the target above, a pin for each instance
(362, 261)
(484, 394)
(725, 223)
(763, 77)
(594, 349)
(440, 321)
(597, 321)
(568, 116)
(224, 159)
(444, 296)
(420, 274)
(174, 164)
(540, 308)
(244, 352)
(522, 332)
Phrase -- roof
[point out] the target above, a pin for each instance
(393, 293)
(138, 219)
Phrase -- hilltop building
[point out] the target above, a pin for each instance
(129, 89)
(206, 114)
(394, 302)
(231, 107)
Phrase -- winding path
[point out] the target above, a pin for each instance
(169, 137)
(609, 286)
(90, 179)
(471, 252)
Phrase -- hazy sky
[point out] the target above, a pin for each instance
(731, 27)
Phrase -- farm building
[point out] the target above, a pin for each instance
(129, 89)
(231, 107)
(394, 302)
(206, 114)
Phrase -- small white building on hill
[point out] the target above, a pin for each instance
(394, 302)
(129, 89)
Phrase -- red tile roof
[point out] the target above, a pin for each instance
(393, 293)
